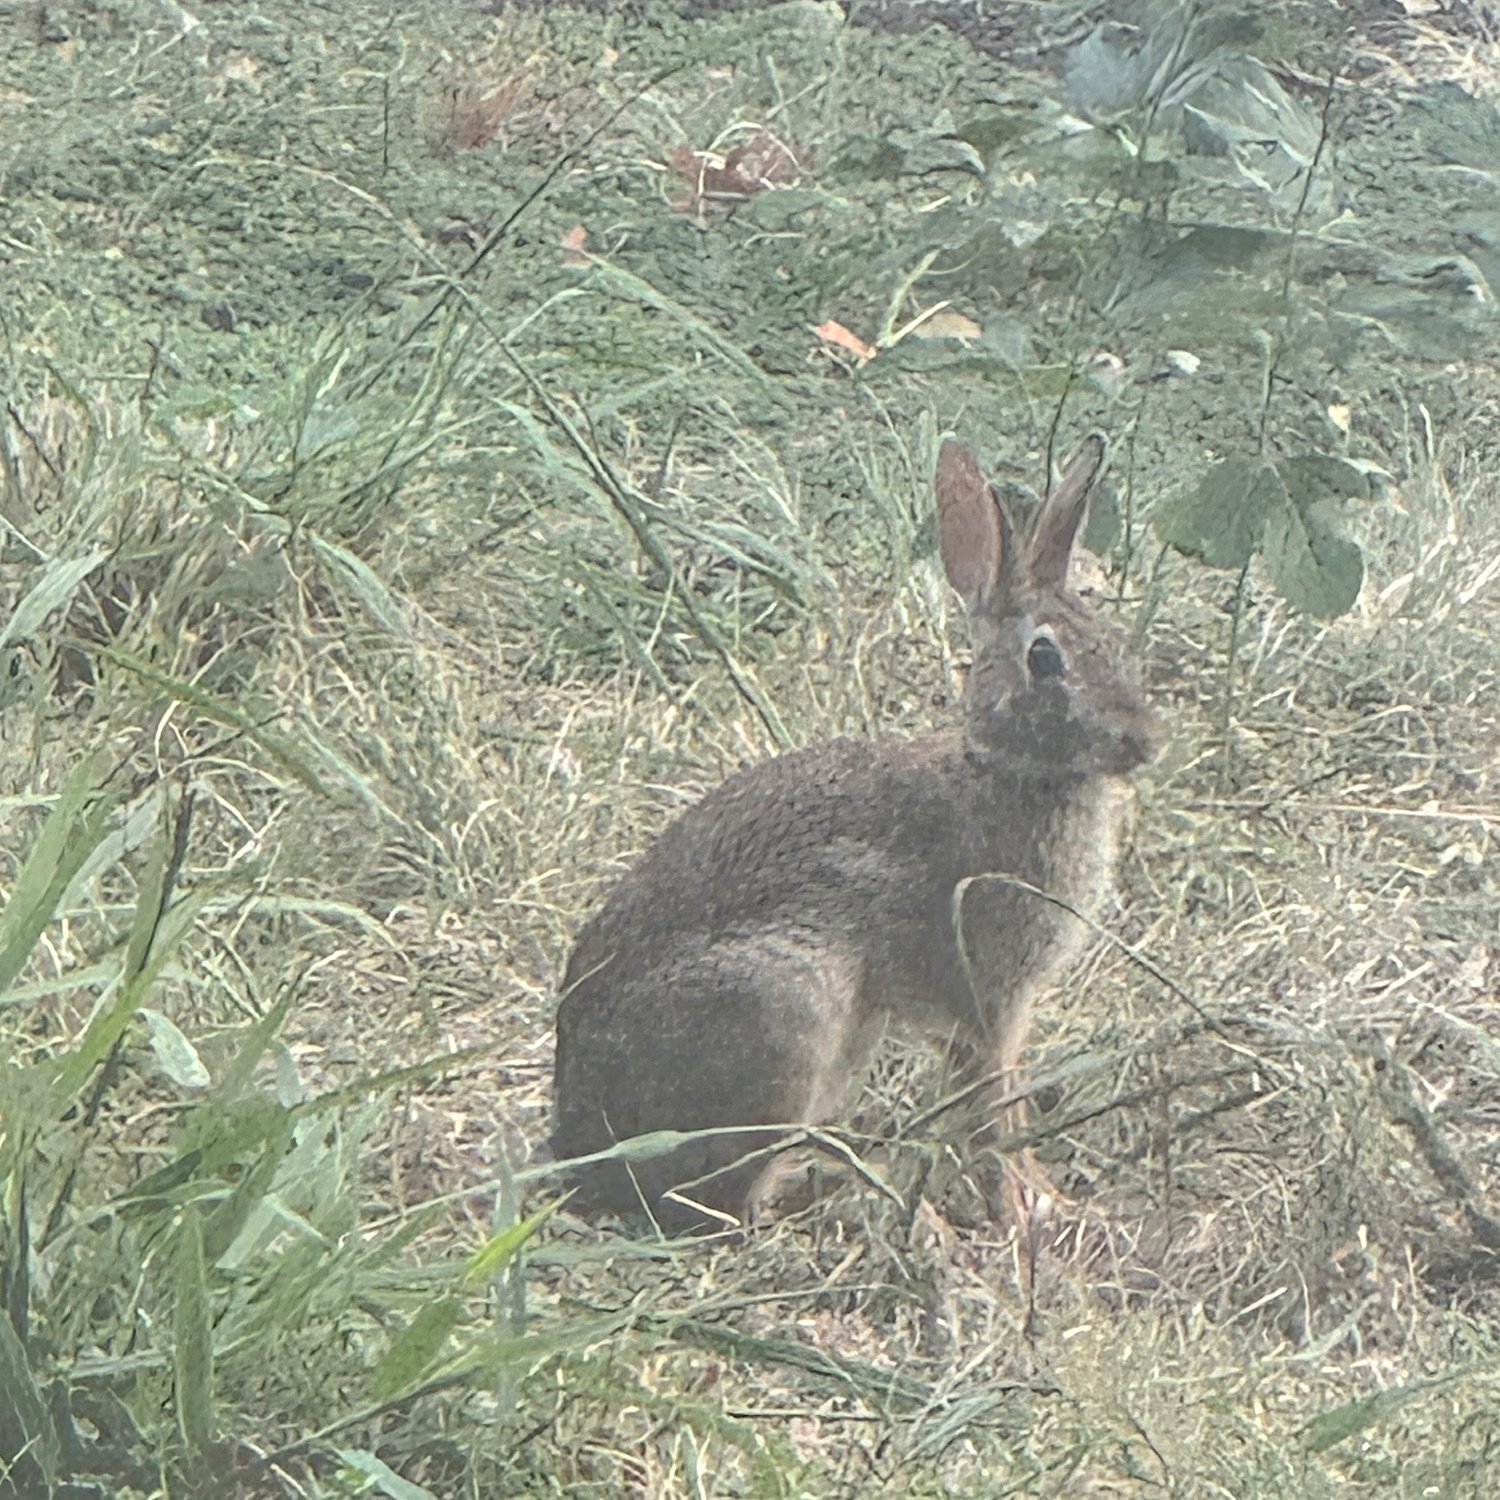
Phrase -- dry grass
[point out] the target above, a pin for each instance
(440, 642)
(1278, 1161)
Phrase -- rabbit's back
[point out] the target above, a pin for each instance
(816, 841)
(856, 841)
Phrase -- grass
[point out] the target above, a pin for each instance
(386, 569)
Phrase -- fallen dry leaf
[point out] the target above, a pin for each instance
(948, 325)
(476, 120)
(840, 337)
(763, 162)
(573, 243)
(759, 164)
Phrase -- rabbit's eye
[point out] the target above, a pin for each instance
(1045, 659)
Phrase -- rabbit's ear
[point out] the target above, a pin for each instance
(974, 533)
(1062, 513)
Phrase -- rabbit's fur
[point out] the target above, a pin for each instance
(741, 973)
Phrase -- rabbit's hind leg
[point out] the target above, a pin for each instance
(754, 1031)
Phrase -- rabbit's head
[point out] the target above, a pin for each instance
(1050, 692)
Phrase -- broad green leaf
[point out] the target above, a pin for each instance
(368, 586)
(229, 1219)
(252, 1045)
(1220, 247)
(1313, 478)
(1332, 1427)
(1460, 128)
(1223, 520)
(1436, 310)
(24, 1417)
(1105, 76)
(162, 1185)
(1315, 568)
(107, 1028)
(90, 976)
(935, 148)
(270, 1217)
(282, 750)
(998, 127)
(1213, 286)
(1101, 529)
(1162, 64)
(1243, 113)
(152, 894)
(1481, 232)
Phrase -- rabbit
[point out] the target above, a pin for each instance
(742, 972)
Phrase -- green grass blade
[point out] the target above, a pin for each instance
(51, 591)
(192, 1339)
(78, 823)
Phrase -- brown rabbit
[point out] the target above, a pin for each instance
(741, 973)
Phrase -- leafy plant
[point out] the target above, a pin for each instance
(1282, 511)
(1179, 204)
(159, 1291)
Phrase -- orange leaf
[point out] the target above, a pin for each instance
(840, 337)
(573, 243)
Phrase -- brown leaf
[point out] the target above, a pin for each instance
(478, 119)
(948, 324)
(763, 162)
(751, 168)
